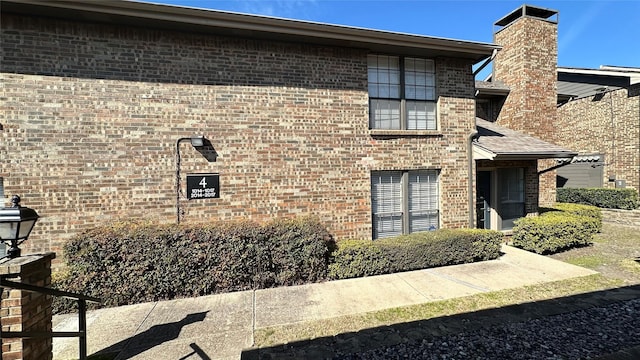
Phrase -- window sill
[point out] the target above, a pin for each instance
(408, 133)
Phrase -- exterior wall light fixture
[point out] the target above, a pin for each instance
(16, 223)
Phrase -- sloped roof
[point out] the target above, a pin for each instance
(491, 88)
(208, 21)
(576, 83)
(495, 142)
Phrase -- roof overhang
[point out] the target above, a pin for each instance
(580, 159)
(187, 19)
(495, 142)
(488, 89)
(480, 153)
(577, 83)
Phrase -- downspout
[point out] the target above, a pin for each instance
(472, 135)
(470, 189)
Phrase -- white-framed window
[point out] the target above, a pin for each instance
(404, 202)
(402, 93)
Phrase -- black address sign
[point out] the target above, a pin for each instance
(203, 186)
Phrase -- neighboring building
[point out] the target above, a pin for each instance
(595, 112)
(369, 130)
(599, 116)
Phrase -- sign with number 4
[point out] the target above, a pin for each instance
(203, 186)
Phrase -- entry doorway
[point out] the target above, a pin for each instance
(483, 198)
(500, 198)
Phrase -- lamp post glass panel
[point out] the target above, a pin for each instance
(16, 223)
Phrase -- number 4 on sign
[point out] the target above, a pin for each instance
(203, 182)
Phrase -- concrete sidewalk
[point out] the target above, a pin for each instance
(221, 326)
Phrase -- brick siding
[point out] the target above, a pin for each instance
(607, 124)
(24, 310)
(527, 64)
(92, 113)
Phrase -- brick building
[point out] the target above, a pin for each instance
(595, 112)
(374, 132)
(603, 106)
(520, 95)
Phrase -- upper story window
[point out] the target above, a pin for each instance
(402, 93)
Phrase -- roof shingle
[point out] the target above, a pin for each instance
(500, 143)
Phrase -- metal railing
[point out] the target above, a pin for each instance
(81, 334)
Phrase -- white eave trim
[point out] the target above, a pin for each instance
(480, 153)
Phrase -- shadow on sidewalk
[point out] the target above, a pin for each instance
(153, 337)
(415, 332)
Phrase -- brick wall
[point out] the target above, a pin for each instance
(527, 64)
(608, 124)
(92, 113)
(24, 310)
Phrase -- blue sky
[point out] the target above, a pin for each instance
(590, 33)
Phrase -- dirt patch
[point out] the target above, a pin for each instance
(615, 253)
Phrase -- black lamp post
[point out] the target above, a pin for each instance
(196, 142)
(16, 223)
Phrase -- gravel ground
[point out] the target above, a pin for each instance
(577, 335)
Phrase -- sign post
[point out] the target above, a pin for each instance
(203, 186)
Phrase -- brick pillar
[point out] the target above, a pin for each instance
(527, 64)
(24, 310)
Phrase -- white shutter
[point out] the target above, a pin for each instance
(386, 203)
(423, 200)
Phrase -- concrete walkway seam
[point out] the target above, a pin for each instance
(425, 296)
(253, 318)
(457, 281)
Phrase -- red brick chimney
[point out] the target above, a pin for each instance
(527, 65)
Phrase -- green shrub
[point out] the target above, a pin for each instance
(553, 231)
(357, 258)
(415, 251)
(442, 247)
(626, 199)
(299, 250)
(129, 262)
(582, 210)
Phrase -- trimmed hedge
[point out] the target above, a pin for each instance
(127, 263)
(554, 231)
(579, 209)
(414, 251)
(133, 262)
(625, 199)
(357, 258)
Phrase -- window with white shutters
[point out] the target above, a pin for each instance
(386, 200)
(423, 200)
(404, 202)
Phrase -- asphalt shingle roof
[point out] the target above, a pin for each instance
(504, 143)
